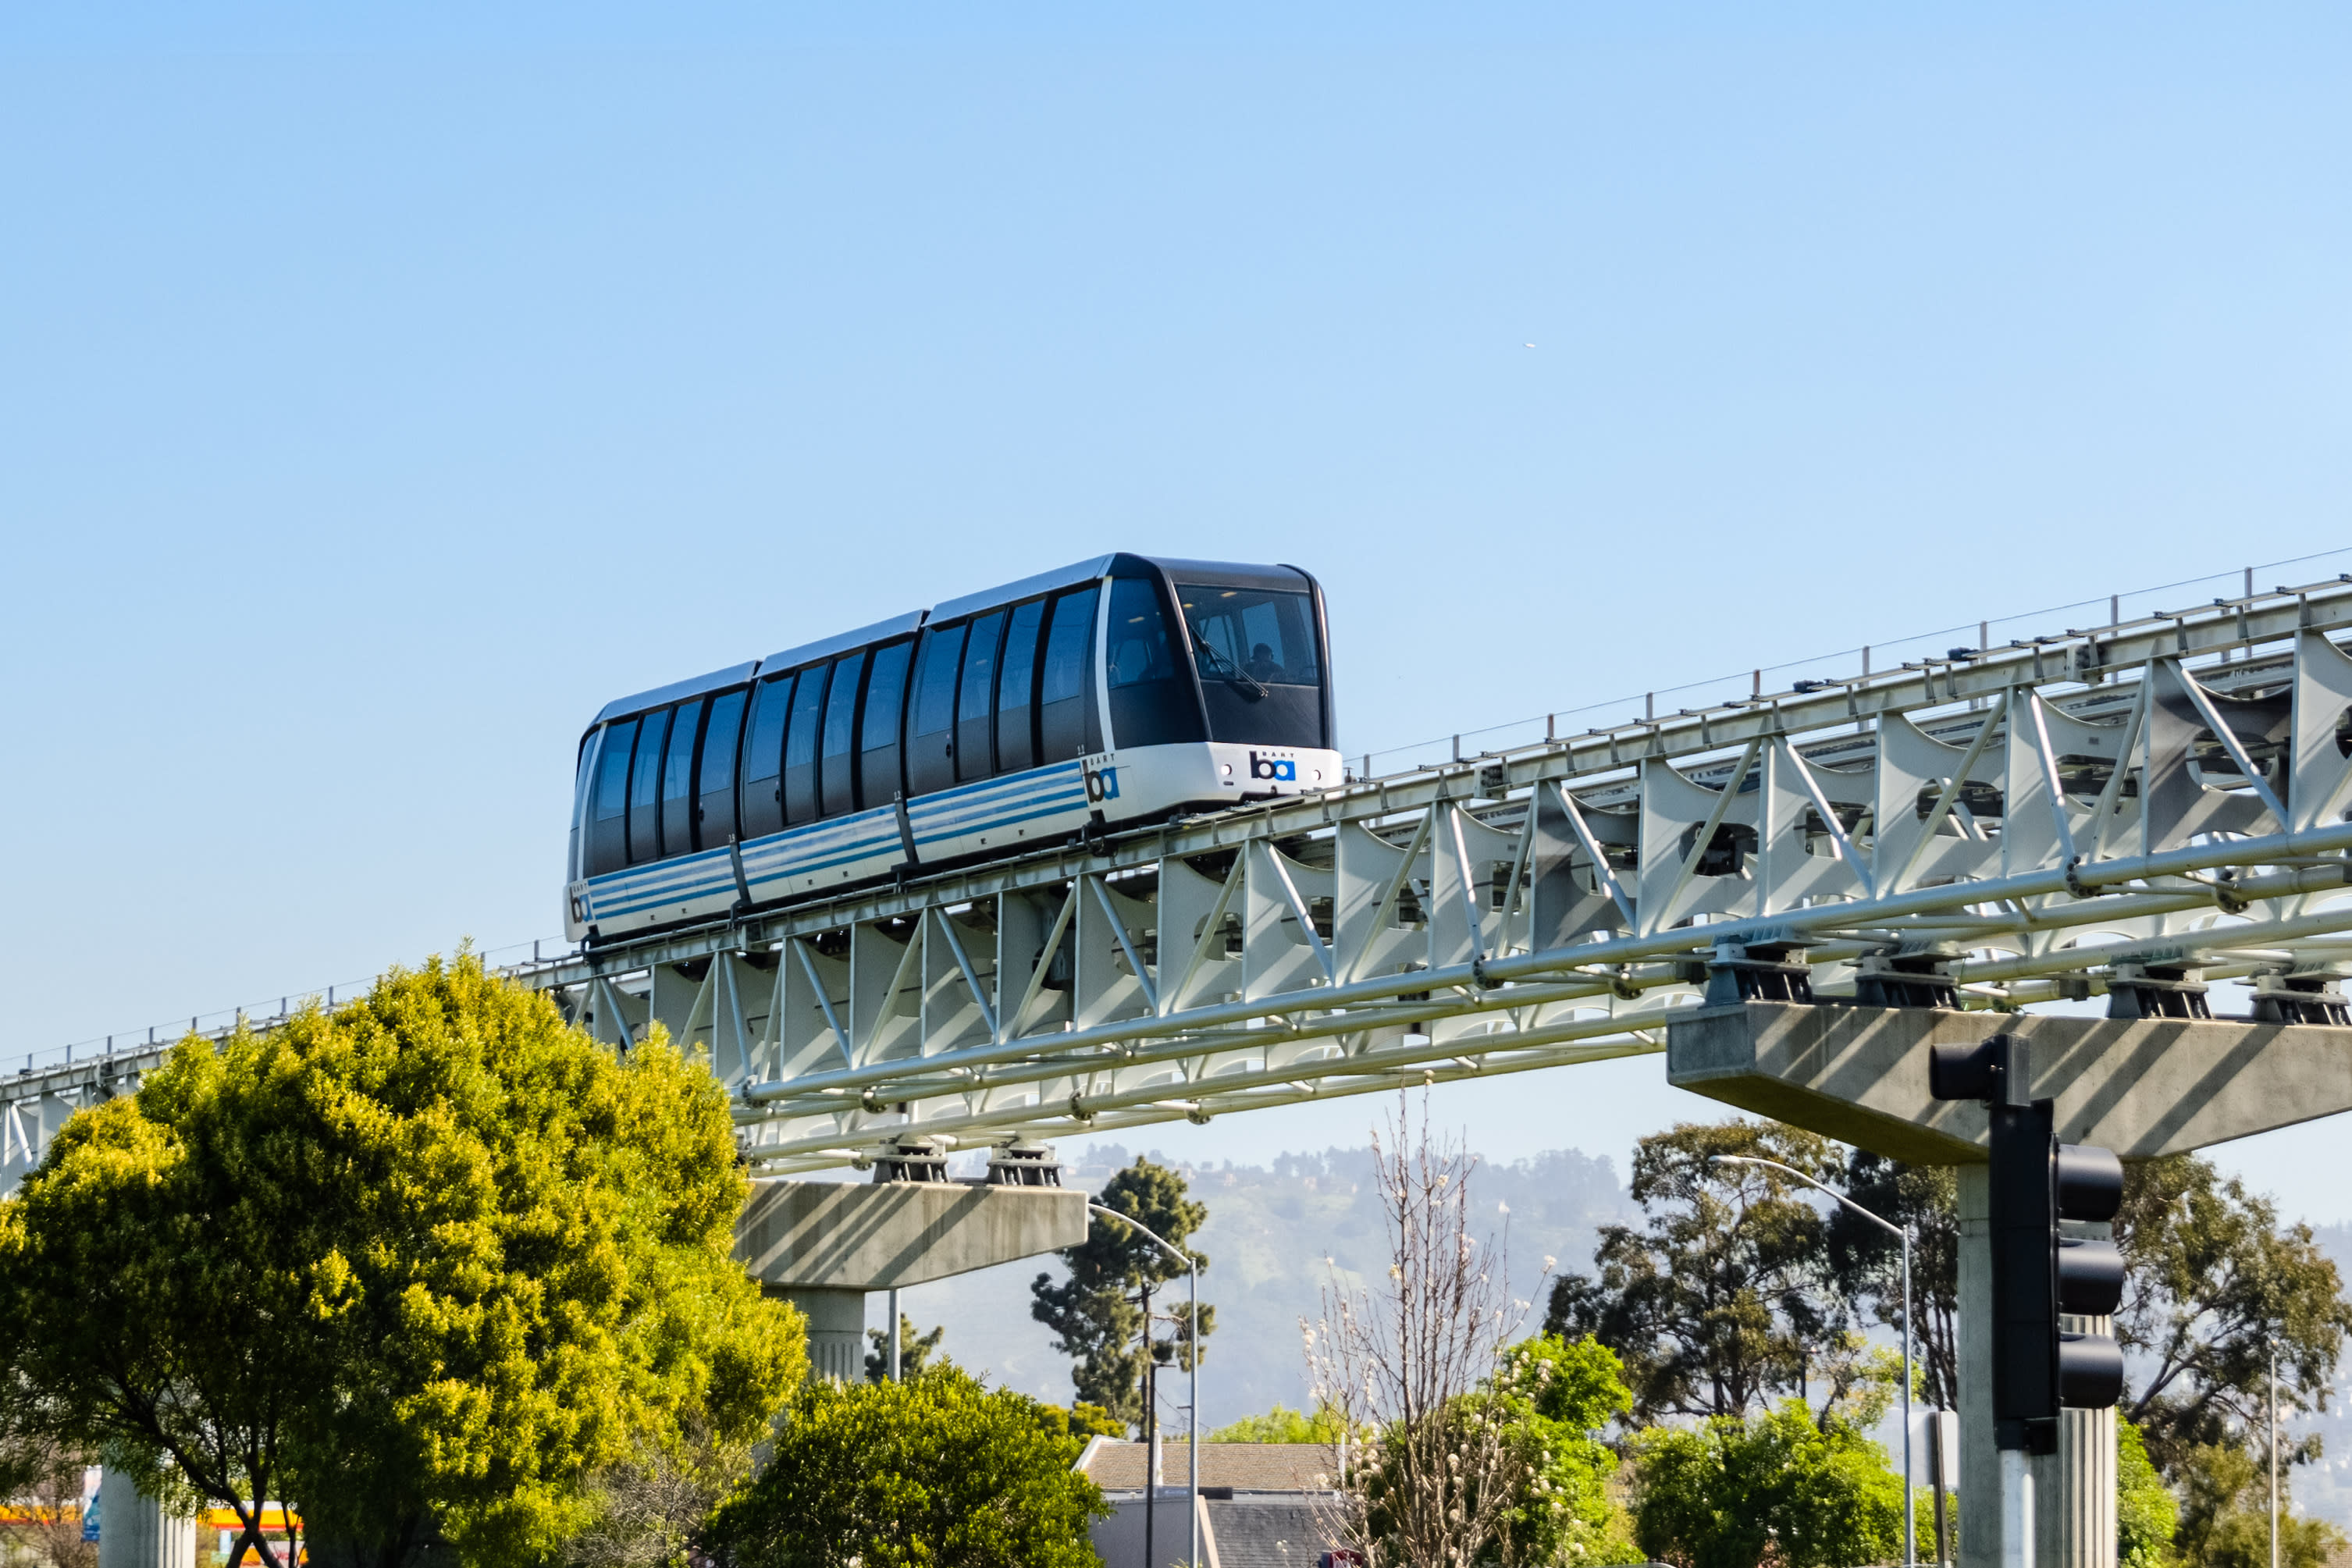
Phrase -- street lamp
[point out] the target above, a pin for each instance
(1193, 1421)
(1903, 1234)
(2275, 1552)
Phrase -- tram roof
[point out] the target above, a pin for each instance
(1219, 573)
(677, 691)
(826, 647)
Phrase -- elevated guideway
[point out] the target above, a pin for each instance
(1791, 895)
(2142, 807)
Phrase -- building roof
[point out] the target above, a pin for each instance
(1270, 1532)
(1117, 1466)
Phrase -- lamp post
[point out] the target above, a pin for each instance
(1903, 1234)
(1192, 1422)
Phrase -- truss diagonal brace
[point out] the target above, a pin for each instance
(1299, 910)
(1118, 929)
(970, 977)
(833, 1020)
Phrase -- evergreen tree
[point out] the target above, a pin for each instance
(1095, 1319)
(914, 1350)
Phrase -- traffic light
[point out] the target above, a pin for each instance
(2037, 1272)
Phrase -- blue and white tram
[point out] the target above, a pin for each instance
(1118, 690)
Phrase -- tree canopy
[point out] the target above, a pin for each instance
(2146, 1513)
(1093, 1319)
(1734, 1491)
(1865, 1264)
(938, 1471)
(1715, 1303)
(2210, 1278)
(1555, 1398)
(420, 1265)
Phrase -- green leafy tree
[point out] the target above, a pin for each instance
(1281, 1424)
(2146, 1513)
(1083, 1420)
(1865, 1264)
(1718, 1300)
(1094, 1320)
(935, 1472)
(1734, 1492)
(1555, 1398)
(2212, 1277)
(423, 1265)
(2225, 1515)
(914, 1349)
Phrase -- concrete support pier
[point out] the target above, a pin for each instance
(134, 1532)
(824, 1245)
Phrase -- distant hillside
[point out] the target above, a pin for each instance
(1269, 1232)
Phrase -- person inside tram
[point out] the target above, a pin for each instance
(1263, 665)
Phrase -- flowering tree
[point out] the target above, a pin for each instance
(1407, 1359)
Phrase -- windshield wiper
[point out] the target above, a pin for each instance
(1216, 664)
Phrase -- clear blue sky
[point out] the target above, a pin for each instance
(382, 393)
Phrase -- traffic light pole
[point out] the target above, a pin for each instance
(2022, 1277)
(2017, 1520)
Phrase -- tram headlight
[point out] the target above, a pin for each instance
(1226, 768)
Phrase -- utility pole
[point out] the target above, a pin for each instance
(1193, 1336)
(2275, 1552)
(1150, 1428)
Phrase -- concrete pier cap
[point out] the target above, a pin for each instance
(823, 1245)
(2142, 1087)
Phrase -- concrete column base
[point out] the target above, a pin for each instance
(133, 1530)
(837, 1331)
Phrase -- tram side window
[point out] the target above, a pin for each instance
(644, 784)
(801, 803)
(677, 781)
(714, 818)
(930, 716)
(1016, 690)
(1151, 701)
(836, 771)
(972, 757)
(879, 780)
(1065, 697)
(608, 827)
(763, 748)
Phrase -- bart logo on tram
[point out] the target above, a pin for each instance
(1119, 690)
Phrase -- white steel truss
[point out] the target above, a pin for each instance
(2136, 805)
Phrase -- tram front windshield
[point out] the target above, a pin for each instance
(1261, 669)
